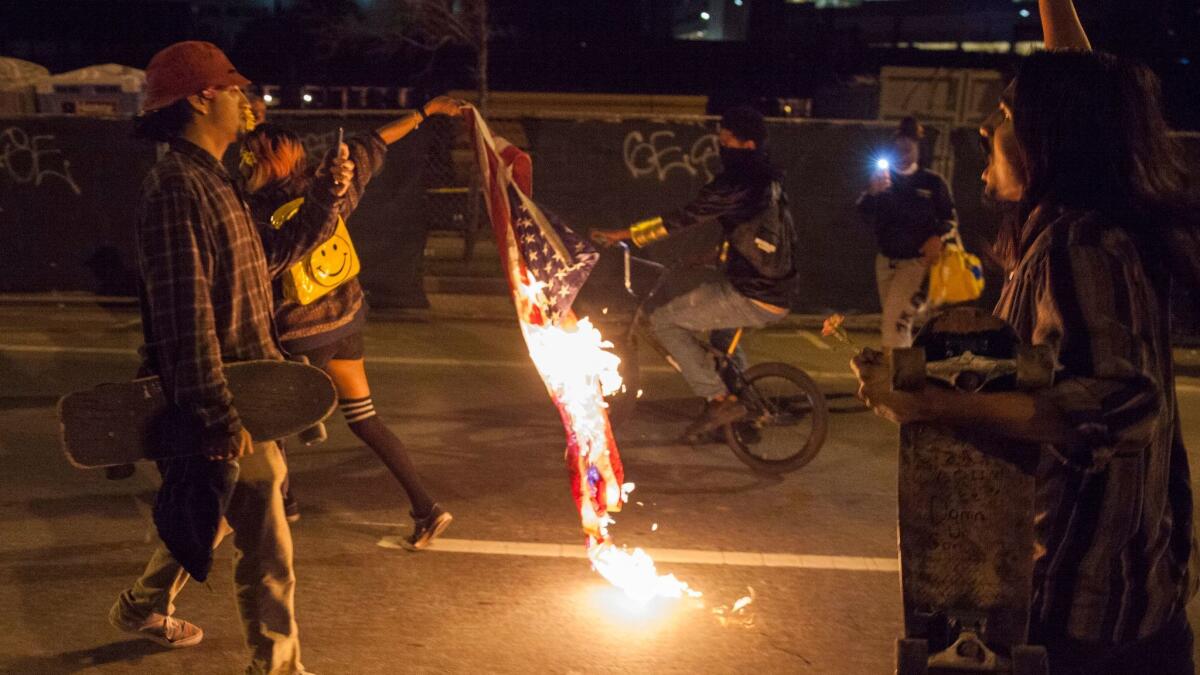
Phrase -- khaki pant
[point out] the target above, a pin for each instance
(265, 584)
(903, 296)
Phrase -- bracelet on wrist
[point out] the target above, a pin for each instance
(647, 231)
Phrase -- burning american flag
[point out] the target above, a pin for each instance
(546, 263)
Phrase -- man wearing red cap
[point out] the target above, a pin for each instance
(206, 301)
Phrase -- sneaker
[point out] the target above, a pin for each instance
(165, 630)
(426, 529)
(717, 413)
(291, 507)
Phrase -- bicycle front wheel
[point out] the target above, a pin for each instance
(787, 423)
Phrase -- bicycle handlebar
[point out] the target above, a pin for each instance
(630, 258)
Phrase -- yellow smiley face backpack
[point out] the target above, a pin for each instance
(326, 267)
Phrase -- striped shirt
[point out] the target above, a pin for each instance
(1114, 510)
(205, 279)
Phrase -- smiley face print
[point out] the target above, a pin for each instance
(330, 263)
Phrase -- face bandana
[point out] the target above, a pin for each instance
(739, 160)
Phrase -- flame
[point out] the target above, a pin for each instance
(578, 369)
(739, 614)
(634, 573)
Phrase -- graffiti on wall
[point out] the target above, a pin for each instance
(32, 160)
(660, 154)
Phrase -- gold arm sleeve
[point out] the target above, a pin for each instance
(647, 231)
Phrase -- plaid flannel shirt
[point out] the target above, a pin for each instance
(1114, 511)
(205, 278)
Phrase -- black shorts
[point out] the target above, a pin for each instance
(348, 348)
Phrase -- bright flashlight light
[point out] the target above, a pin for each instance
(268, 98)
(1024, 13)
(882, 164)
(705, 15)
(308, 98)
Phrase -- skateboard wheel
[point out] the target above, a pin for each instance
(912, 657)
(908, 369)
(1035, 367)
(1029, 660)
(314, 434)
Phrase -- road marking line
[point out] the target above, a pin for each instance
(815, 340)
(1184, 387)
(815, 374)
(661, 555)
(52, 349)
(380, 360)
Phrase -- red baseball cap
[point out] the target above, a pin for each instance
(187, 68)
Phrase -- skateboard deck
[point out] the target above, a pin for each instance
(125, 422)
(965, 516)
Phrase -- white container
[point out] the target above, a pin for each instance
(103, 90)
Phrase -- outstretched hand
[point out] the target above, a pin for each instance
(609, 238)
(445, 105)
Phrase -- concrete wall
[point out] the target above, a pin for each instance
(68, 188)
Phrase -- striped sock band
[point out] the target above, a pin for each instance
(356, 409)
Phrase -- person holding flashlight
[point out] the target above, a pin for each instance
(911, 210)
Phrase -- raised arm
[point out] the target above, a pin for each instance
(397, 129)
(1061, 28)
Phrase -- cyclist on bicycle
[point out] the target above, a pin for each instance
(746, 199)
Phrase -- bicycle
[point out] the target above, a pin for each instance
(788, 419)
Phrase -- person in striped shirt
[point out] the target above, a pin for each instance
(1079, 146)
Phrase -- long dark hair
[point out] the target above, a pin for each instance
(1092, 136)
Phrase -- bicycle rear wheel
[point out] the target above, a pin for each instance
(788, 419)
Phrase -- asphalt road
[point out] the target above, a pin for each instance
(817, 547)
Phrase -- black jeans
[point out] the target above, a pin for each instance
(1167, 652)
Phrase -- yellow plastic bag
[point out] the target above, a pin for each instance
(328, 266)
(956, 277)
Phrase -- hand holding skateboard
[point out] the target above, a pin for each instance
(876, 392)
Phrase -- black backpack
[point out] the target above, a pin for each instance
(768, 240)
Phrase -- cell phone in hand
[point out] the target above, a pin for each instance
(337, 149)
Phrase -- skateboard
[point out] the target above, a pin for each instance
(121, 423)
(965, 516)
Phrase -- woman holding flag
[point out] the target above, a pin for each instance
(328, 329)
